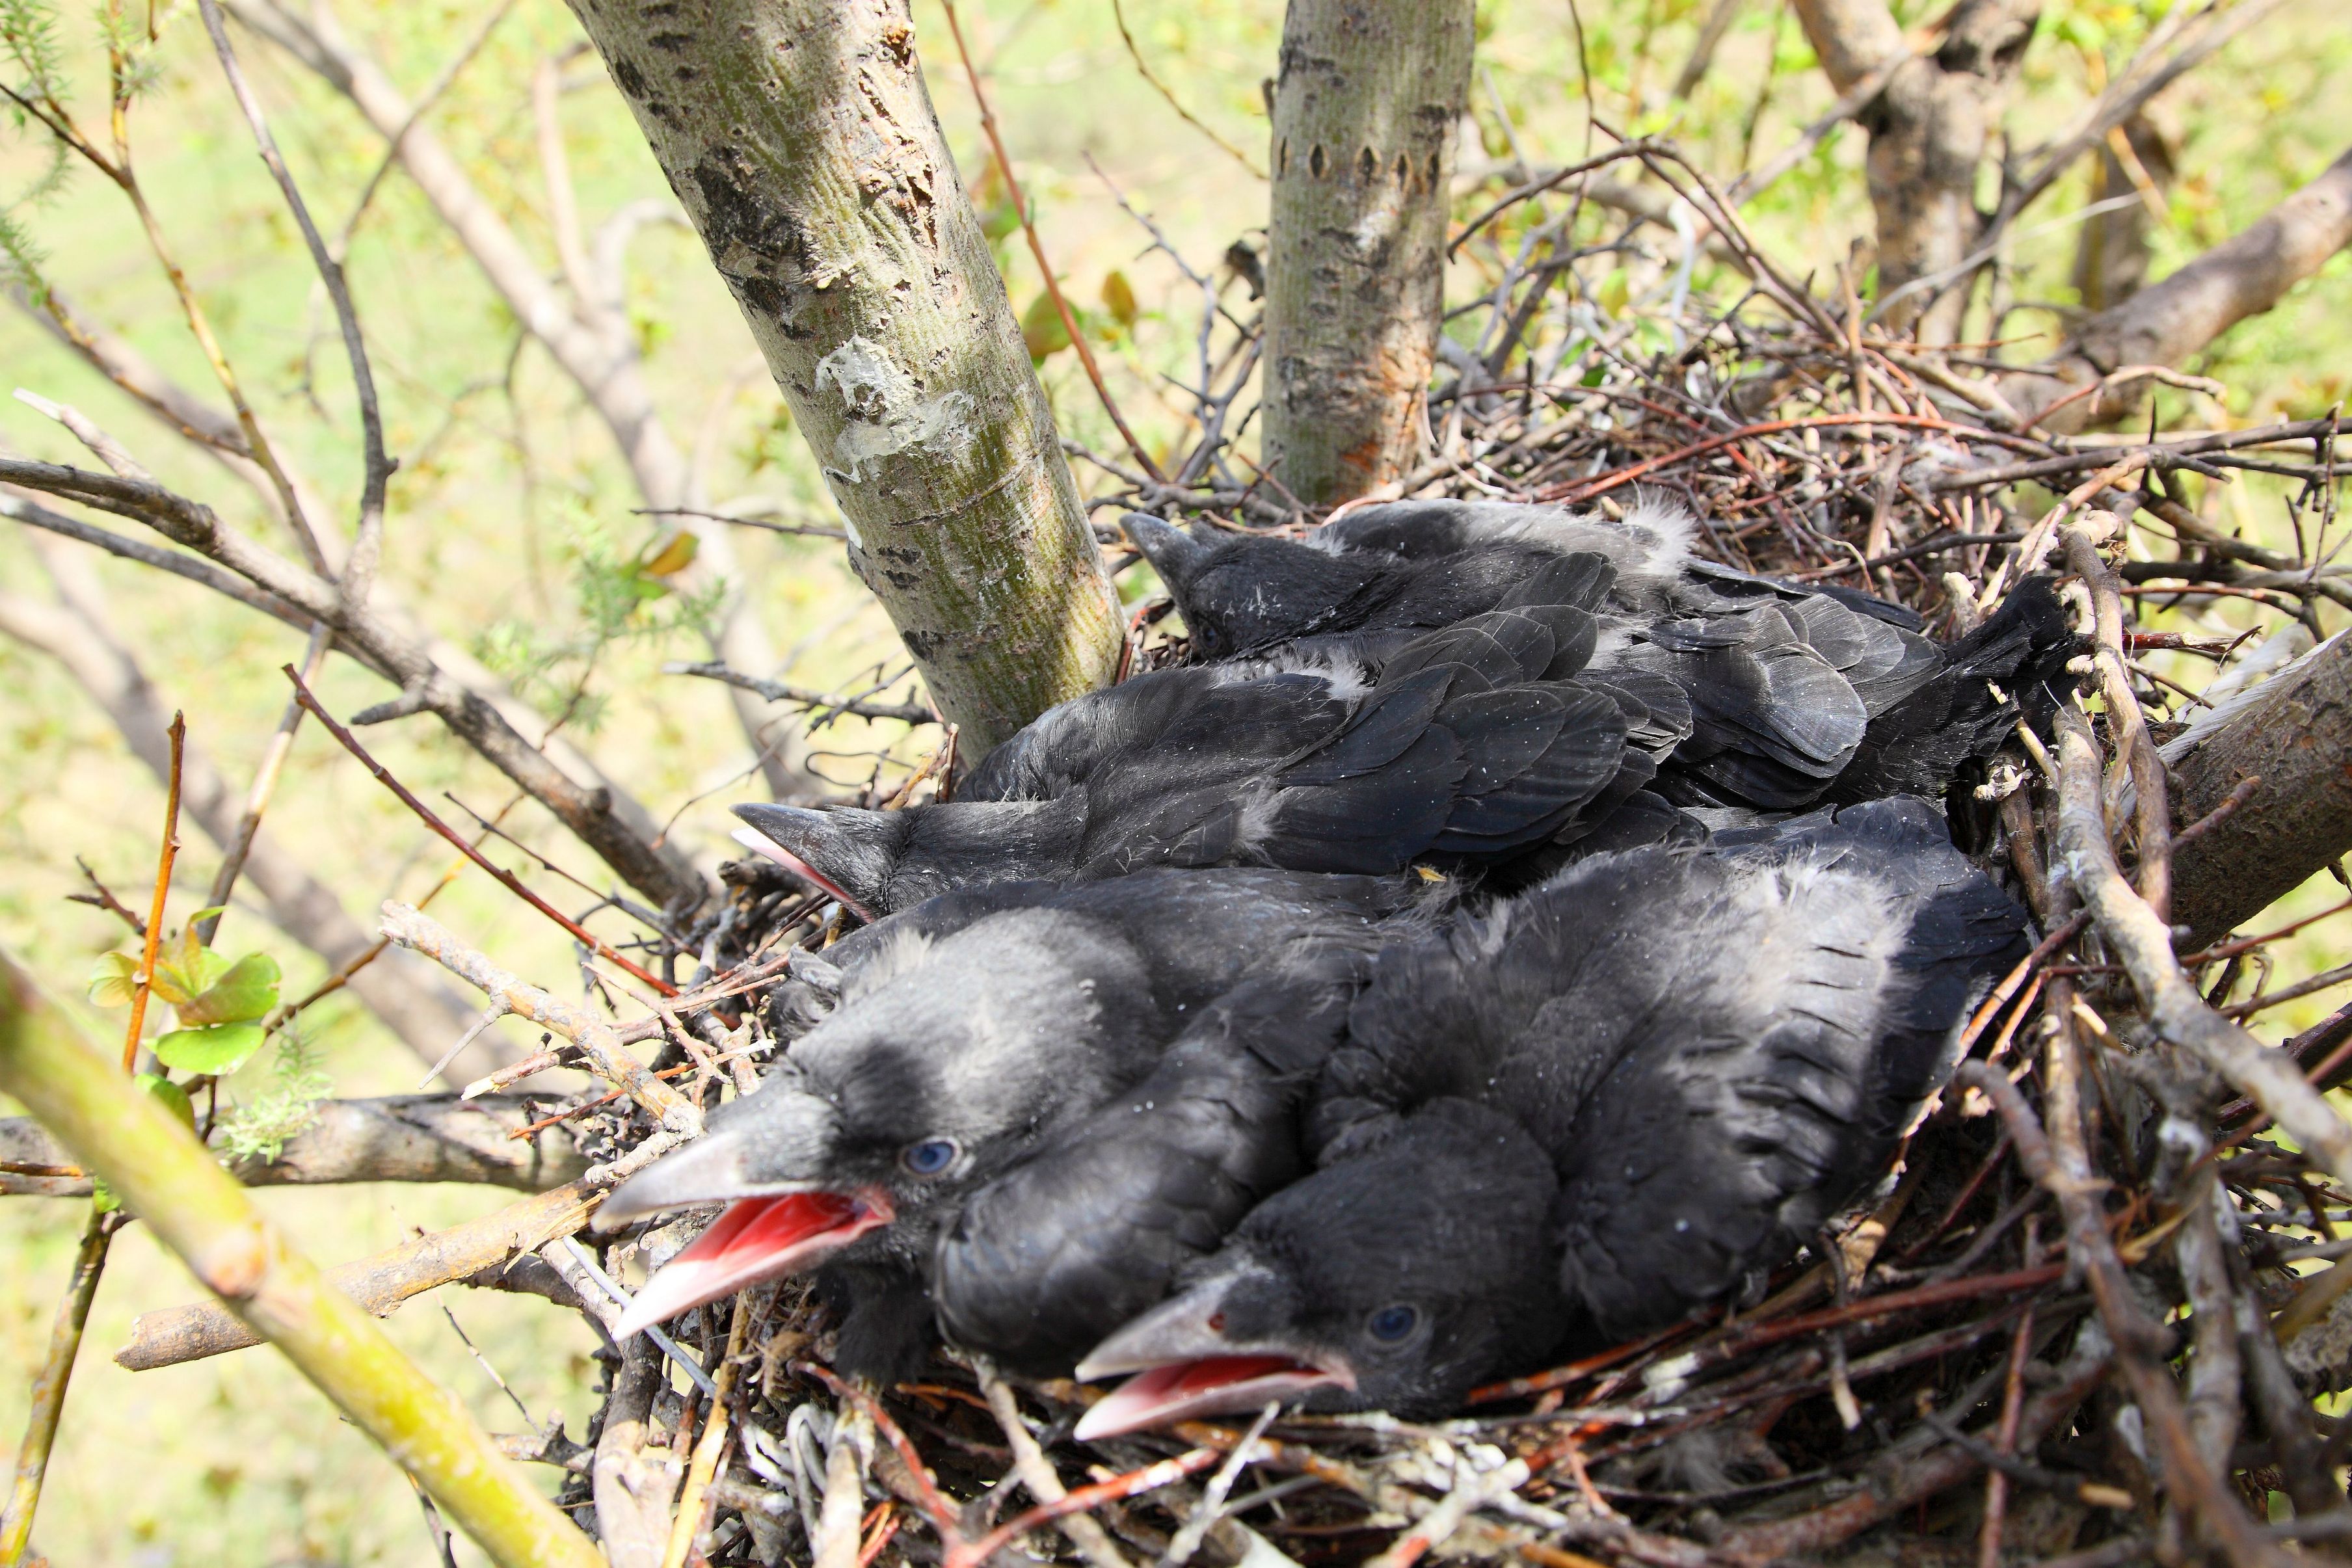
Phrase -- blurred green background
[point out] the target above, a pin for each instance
(511, 533)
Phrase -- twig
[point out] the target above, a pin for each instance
(513, 883)
(778, 692)
(1036, 1472)
(142, 983)
(47, 1398)
(103, 896)
(265, 785)
(598, 1043)
(1037, 248)
(1119, 15)
(367, 543)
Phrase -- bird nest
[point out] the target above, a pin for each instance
(2042, 1336)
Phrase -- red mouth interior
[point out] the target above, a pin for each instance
(1214, 1386)
(757, 1239)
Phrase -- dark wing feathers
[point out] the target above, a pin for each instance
(1717, 1047)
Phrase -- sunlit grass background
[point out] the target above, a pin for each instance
(511, 512)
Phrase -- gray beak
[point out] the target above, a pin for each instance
(1185, 1366)
(819, 847)
(712, 1169)
(1174, 554)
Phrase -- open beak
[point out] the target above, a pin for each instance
(758, 843)
(1185, 1365)
(757, 1239)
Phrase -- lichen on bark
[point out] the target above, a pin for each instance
(801, 137)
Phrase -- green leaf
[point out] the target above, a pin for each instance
(217, 1049)
(1041, 329)
(101, 1197)
(246, 989)
(113, 980)
(175, 1097)
(189, 973)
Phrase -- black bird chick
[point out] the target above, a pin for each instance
(1038, 1265)
(1800, 695)
(1707, 1053)
(1470, 743)
(964, 1035)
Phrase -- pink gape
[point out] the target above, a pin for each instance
(757, 1239)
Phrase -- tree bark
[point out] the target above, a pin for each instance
(2294, 732)
(801, 137)
(1365, 114)
(1929, 129)
(428, 1015)
(2167, 322)
(399, 1137)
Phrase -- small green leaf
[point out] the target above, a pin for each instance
(247, 990)
(189, 973)
(101, 1197)
(1041, 329)
(113, 980)
(173, 1097)
(217, 1049)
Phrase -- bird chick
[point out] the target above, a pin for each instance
(961, 1041)
(1710, 1053)
(1469, 744)
(1798, 694)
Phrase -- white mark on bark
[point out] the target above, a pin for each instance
(887, 412)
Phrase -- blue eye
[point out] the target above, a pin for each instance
(1392, 1323)
(929, 1158)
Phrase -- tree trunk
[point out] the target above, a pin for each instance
(1365, 114)
(2166, 322)
(1929, 129)
(2294, 732)
(801, 140)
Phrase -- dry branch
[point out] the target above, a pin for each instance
(2167, 322)
(2295, 733)
(381, 1282)
(2139, 938)
(599, 1043)
(401, 1137)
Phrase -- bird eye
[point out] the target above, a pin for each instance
(1392, 1323)
(929, 1157)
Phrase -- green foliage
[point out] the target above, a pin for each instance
(219, 1004)
(623, 596)
(260, 1129)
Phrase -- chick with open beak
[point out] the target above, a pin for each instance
(951, 1055)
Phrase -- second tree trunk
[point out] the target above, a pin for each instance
(1364, 118)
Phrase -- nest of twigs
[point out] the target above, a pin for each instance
(2044, 1337)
